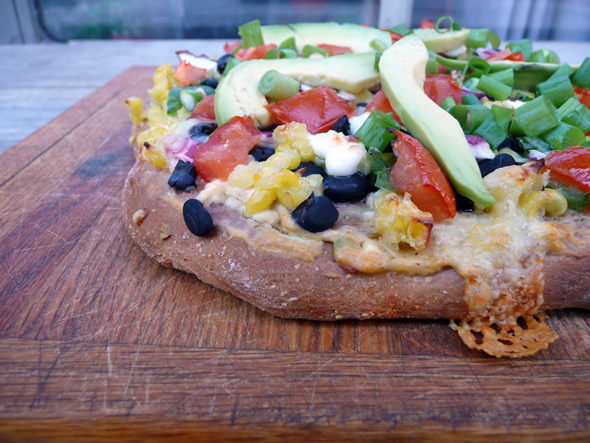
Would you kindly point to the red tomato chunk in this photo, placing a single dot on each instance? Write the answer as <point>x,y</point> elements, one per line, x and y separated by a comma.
<point>571,166</point>
<point>255,52</point>
<point>226,148</point>
<point>335,50</point>
<point>440,86</point>
<point>205,110</point>
<point>381,103</point>
<point>319,108</point>
<point>417,173</point>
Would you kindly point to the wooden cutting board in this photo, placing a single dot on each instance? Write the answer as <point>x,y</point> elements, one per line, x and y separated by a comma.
<point>98,341</point>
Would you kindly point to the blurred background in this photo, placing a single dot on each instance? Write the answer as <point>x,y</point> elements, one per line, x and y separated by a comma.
<point>33,21</point>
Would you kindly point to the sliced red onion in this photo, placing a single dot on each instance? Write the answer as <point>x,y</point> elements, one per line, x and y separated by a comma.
<point>198,61</point>
<point>479,147</point>
<point>485,52</point>
<point>180,147</point>
<point>346,96</point>
<point>536,155</point>
<point>266,141</point>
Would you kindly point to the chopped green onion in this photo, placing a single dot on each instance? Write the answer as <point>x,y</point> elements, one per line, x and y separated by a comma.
<point>535,144</point>
<point>492,132</point>
<point>251,34</point>
<point>431,66</point>
<point>564,136</point>
<point>502,116</point>
<point>374,134</point>
<point>536,116</point>
<point>575,113</point>
<point>470,99</point>
<point>439,21</point>
<point>277,86</point>
<point>310,49</point>
<point>470,116</point>
<point>456,65</point>
<point>506,77</point>
<point>558,90</point>
<point>494,40</point>
<point>544,56</point>
<point>519,158</point>
<point>190,98</point>
<point>582,76</point>
<point>586,144</point>
<point>478,66</point>
<point>577,199</point>
<point>231,63</point>
<point>174,97</point>
<point>564,69</point>
<point>281,53</point>
<point>523,96</point>
<point>515,130</point>
<point>493,87</point>
<point>401,29</point>
<point>448,103</point>
<point>477,38</point>
<point>471,83</point>
<point>524,46</point>
<point>378,45</point>
<point>288,43</point>
<point>381,164</point>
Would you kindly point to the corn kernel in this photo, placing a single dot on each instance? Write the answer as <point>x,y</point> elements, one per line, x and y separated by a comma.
<point>548,202</point>
<point>135,106</point>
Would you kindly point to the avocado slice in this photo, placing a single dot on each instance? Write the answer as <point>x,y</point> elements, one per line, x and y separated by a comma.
<point>403,69</point>
<point>238,94</point>
<point>356,37</point>
<point>442,41</point>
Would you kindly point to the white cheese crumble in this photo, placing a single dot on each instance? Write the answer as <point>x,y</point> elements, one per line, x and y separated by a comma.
<point>342,157</point>
<point>357,121</point>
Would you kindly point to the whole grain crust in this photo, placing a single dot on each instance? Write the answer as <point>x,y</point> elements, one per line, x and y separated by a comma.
<point>320,289</point>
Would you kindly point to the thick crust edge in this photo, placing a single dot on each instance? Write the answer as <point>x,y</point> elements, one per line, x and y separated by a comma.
<point>318,290</point>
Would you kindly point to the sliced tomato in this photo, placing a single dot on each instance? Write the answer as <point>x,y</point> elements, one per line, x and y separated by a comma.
<point>226,148</point>
<point>335,50</point>
<point>229,48</point>
<point>318,108</point>
<point>395,36</point>
<point>255,52</point>
<point>205,109</point>
<point>417,173</point>
<point>187,74</point>
<point>516,57</point>
<point>381,103</point>
<point>583,96</point>
<point>427,24</point>
<point>570,166</point>
<point>506,54</point>
<point>440,86</point>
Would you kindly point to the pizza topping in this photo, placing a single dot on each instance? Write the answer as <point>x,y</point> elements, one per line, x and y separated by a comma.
<point>184,176</point>
<point>222,62</point>
<point>197,218</point>
<point>316,214</point>
<point>201,131</point>
<point>417,173</point>
<point>226,148</point>
<point>571,166</point>
<point>261,154</point>
<point>347,188</point>
<point>341,155</point>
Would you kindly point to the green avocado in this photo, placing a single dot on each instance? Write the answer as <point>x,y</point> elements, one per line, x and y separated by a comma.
<point>402,69</point>
<point>238,94</point>
<point>357,38</point>
<point>442,41</point>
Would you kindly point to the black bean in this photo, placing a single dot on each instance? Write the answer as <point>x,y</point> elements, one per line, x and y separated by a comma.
<point>316,214</point>
<point>464,204</point>
<point>211,82</point>
<point>201,130</point>
<point>222,62</point>
<point>310,168</point>
<point>499,161</point>
<point>183,177</point>
<point>511,143</point>
<point>261,154</point>
<point>347,188</point>
<point>342,125</point>
<point>197,218</point>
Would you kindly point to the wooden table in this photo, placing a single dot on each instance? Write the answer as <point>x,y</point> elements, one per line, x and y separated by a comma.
<point>97,341</point>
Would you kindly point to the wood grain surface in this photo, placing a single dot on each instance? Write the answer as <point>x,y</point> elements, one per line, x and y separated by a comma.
<point>98,342</point>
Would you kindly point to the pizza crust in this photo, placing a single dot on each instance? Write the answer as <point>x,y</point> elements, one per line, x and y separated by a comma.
<point>318,289</point>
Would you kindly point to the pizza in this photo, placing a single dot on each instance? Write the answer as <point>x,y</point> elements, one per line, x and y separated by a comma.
<point>326,171</point>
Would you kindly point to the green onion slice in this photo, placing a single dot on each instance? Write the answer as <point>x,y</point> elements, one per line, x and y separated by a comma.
<point>401,29</point>
<point>524,46</point>
<point>470,116</point>
<point>440,20</point>
<point>536,117</point>
<point>505,76</point>
<point>502,116</point>
<point>374,133</point>
<point>575,113</point>
<point>251,34</point>
<point>492,132</point>
<point>494,88</point>
<point>563,136</point>
<point>288,43</point>
<point>311,49</point>
<point>582,76</point>
<point>558,90</point>
<point>277,86</point>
